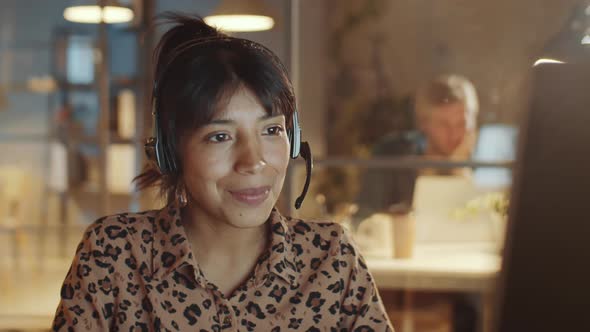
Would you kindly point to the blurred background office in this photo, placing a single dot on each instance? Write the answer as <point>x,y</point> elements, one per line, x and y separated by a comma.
<point>75,84</point>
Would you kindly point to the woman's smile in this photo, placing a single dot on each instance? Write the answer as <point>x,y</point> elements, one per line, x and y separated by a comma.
<point>251,196</point>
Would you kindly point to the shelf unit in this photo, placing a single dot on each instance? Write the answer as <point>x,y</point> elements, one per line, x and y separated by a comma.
<point>82,121</point>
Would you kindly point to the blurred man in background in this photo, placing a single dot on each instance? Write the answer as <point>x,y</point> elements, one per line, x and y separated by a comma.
<point>446,111</point>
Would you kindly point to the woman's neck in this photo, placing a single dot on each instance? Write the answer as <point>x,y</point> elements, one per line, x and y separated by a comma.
<point>225,254</point>
<point>216,241</point>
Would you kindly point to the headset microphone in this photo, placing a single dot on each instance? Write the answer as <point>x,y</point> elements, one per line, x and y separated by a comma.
<point>300,148</point>
<point>305,154</point>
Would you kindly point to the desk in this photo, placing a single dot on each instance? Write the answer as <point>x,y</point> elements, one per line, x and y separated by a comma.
<point>460,267</point>
<point>469,267</point>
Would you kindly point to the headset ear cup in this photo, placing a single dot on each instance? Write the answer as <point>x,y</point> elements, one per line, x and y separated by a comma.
<point>164,153</point>
<point>158,136</point>
<point>296,144</point>
<point>171,157</point>
<point>295,137</point>
<point>291,143</point>
<point>161,153</point>
<point>166,160</point>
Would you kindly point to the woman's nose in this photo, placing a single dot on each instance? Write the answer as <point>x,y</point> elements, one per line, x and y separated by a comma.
<point>250,157</point>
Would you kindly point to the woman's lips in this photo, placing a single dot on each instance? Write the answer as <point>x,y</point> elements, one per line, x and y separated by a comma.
<point>251,196</point>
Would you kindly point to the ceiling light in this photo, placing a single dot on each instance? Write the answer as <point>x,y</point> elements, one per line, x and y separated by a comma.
<point>240,23</point>
<point>241,15</point>
<point>96,14</point>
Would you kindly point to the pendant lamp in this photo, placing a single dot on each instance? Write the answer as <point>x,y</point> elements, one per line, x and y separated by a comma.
<point>83,11</point>
<point>241,16</point>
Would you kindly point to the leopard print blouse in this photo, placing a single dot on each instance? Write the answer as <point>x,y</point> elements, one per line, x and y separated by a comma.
<point>136,272</point>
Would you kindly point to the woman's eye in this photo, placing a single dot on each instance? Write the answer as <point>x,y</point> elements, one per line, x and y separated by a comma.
<point>274,130</point>
<point>218,138</point>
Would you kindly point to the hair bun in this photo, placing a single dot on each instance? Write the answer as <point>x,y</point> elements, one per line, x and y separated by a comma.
<point>186,29</point>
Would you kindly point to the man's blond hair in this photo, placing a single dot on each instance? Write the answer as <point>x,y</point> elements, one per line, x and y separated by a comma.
<point>447,89</point>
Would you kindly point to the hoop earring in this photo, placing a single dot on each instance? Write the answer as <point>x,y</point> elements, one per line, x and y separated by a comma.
<point>181,196</point>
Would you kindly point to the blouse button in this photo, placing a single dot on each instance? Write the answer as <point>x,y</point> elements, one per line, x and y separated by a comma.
<point>227,320</point>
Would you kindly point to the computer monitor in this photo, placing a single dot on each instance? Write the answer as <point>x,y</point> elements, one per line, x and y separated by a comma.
<point>545,280</point>
<point>495,143</point>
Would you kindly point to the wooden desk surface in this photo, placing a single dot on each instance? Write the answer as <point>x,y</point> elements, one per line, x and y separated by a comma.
<point>465,267</point>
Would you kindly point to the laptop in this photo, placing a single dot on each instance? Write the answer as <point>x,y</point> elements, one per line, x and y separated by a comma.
<point>440,208</point>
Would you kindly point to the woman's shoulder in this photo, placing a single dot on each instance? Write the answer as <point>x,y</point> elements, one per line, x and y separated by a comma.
<point>321,251</point>
<point>123,228</point>
<point>317,236</point>
<point>314,226</point>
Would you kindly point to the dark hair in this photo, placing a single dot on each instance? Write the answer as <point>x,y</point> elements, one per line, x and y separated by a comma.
<point>197,70</point>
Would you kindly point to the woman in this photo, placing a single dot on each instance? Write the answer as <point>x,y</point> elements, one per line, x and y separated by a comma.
<point>219,256</point>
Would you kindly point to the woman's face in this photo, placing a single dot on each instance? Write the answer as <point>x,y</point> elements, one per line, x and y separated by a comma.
<point>234,166</point>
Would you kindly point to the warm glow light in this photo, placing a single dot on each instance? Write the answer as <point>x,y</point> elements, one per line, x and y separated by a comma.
<point>42,84</point>
<point>94,14</point>
<point>240,22</point>
<point>542,61</point>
